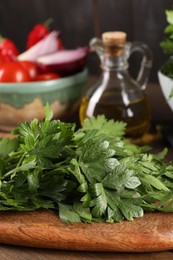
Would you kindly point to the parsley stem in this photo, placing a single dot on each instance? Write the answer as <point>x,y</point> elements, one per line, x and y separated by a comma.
<point>14,171</point>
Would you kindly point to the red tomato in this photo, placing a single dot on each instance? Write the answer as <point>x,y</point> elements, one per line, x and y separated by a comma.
<point>47,76</point>
<point>2,60</point>
<point>31,68</point>
<point>13,72</point>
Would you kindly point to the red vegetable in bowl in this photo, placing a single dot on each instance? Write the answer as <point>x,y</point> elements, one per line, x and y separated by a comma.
<point>8,49</point>
<point>45,46</point>
<point>2,60</point>
<point>38,32</point>
<point>13,72</point>
<point>47,76</point>
<point>64,62</point>
<point>23,71</point>
<point>31,68</point>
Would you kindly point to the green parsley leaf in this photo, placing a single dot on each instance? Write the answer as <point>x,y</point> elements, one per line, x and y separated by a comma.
<point>67,214</point>
<point>107,127</point>
<point>7,146</point>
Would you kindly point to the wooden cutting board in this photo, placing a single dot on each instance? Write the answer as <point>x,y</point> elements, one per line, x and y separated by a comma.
<point>43,229</point>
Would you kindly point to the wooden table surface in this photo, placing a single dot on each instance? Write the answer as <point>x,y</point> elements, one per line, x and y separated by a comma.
<point>7,252</point>
<point>23,253</point>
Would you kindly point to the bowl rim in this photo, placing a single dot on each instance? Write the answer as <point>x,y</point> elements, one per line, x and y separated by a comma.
<point>44,86</point>
<point>163,75</point>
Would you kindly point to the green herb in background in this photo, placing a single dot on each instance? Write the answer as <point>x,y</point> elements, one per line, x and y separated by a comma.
<point>90,174</point>
<point>167,45</point>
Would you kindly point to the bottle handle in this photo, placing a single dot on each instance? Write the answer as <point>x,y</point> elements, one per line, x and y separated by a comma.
<point>146,63</point>
<point>96,45</point>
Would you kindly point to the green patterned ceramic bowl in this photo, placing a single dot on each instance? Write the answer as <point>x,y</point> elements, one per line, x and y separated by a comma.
<point>21,102</point>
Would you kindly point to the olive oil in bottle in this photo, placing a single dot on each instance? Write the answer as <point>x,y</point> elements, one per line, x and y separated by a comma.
<point>136,114</point>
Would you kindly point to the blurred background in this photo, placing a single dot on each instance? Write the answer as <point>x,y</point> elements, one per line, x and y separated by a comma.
<point>81,20</point>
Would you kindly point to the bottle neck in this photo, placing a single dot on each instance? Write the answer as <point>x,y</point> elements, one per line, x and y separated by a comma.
<point>114,63</point>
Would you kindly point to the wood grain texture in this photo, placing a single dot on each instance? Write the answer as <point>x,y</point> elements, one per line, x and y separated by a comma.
<point>43,229</point>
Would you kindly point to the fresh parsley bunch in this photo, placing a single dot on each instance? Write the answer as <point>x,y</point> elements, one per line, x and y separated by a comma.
<point>167,45</point>
<point>89,174</point>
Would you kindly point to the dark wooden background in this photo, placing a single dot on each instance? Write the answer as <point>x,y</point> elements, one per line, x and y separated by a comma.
<point>143,20</point>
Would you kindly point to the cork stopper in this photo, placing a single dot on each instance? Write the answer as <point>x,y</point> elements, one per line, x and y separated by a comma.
<point>114,38</point>
<point>114,42</point>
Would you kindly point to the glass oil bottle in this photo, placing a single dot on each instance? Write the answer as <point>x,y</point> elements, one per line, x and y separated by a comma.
<point>117,95</point>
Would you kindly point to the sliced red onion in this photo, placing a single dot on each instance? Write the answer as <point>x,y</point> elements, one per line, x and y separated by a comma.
<point>45,46</point>
<point>64,62</point>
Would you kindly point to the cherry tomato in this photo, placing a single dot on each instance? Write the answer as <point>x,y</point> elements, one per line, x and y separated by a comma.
<point>31,68</point>
<point>47,76</point>
<point>13,72</point>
